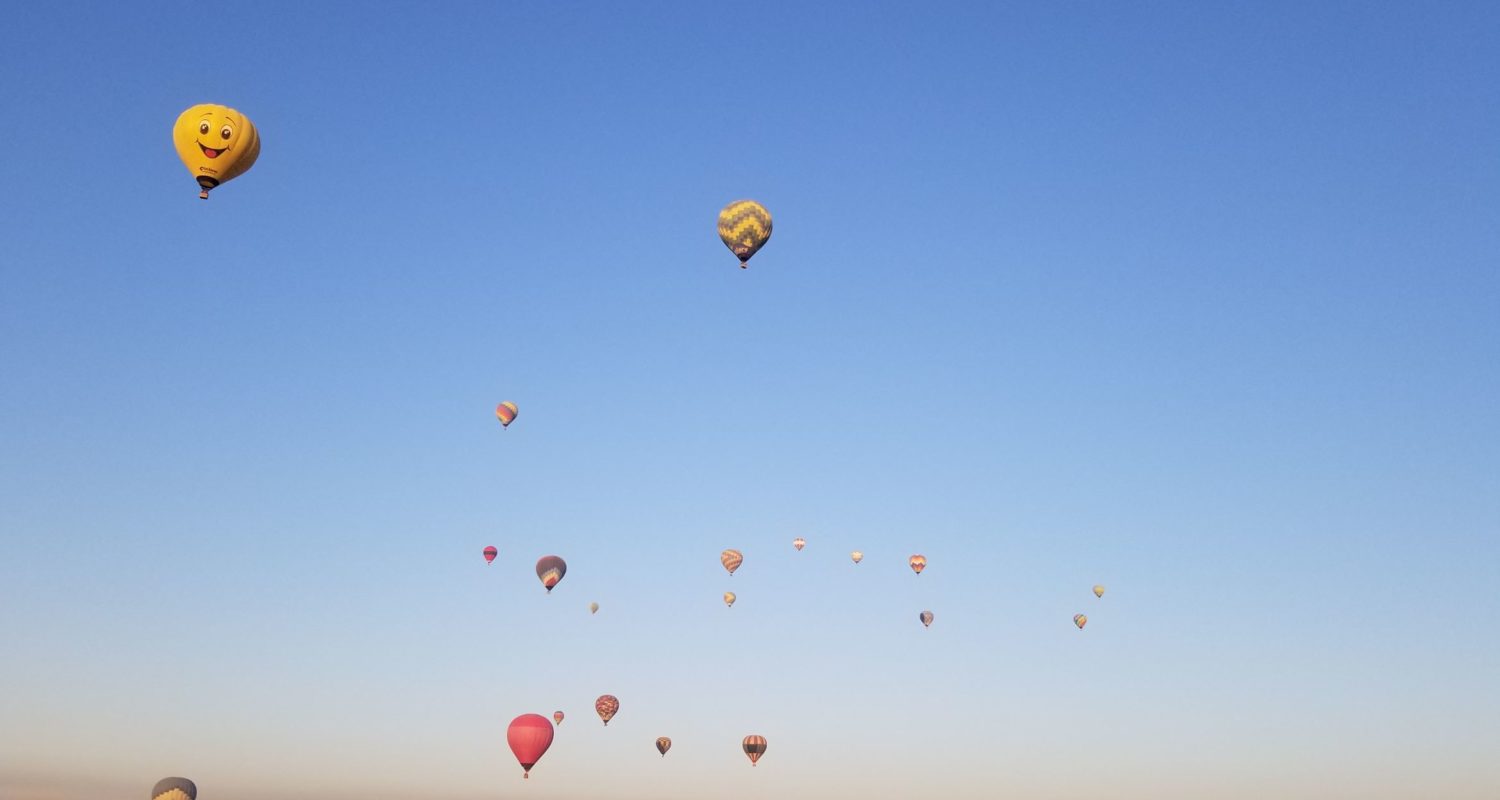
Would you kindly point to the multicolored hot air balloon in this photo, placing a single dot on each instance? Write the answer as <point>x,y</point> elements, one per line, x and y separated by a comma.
<point>918,563</point>
<point>731,559</point>
<point>755,747</point>
<point>729,599</point>
<point>216,144</point>
<point>593,608</point>
<point>529,736</point>
<point>551,569</point>
<point>606,706</point>
<point>1080,620</point>
<point>489,555</point>
<point>926,617</point>
<point>799,543</point>
<point>174,789</point>
<point>663,744</point>
<point>557,716</point>
<point>745,226</point>
<point>506,413</point>
<point>857,556</point>
<point>1098,591</point>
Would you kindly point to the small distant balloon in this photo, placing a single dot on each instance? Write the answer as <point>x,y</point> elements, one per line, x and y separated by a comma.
<point>1080,620</point>
<point>857,556</point>
<point>1098,591</point>
<point>745,227</point>
<point>593,608</point>
<point>216,144</point>
<point>489,555</point>
<point>799,543</point>
<point>918,563</point>
<point>731,559</point>
<point>557,716</point>
<point>551,569</point>
<point>506,413</point>
<point>926,617</point>
<point>606,707</point>
<point>663,744</point>
<point>755,747</point>
<point>529,736</point>
<point>174,789</point>
<point>729,599</point>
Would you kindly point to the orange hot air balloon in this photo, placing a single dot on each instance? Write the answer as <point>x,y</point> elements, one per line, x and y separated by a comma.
<point>489,555</point>
<point>918,563</point>
<point>857,556</point>
<point>529,737</point>
<point>506,413</point>
<point>557,716</point>
<point>799,543</point>
<point>729,599</point>
<point>1080,620</point>
<point>926,617</point>
<point>551,569</point>
<point>755,747</point>
<point>606,706</point>
<point>663,744</point>
<point>731,559</point>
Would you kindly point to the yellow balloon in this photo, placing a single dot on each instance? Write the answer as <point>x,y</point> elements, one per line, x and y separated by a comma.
<point>216,143</point>
<point>744,226</point>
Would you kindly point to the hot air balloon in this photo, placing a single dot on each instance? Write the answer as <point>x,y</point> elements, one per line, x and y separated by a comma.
<point>731,559</point>
<point>606,706</point>
<point>557,716</point>
<point>799,543</point>
<point>1080,620</point>
<point>755,747</point>
<point>506,413</point>
<point>174,789</point>
<point>918,563</point>
<point>857,556</point>
<point>926,617</point>
<point>1098,591</point>
<point>216,144</point>
<point>744,225</point>
<point>663,744</point>
<point>551,569</point>
<point>593,608</point>
<point>729,599</point>
<point>489,554</point>
<point>529,736</point>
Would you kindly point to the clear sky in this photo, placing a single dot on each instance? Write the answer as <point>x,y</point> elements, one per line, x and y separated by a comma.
<point>1199,301</point>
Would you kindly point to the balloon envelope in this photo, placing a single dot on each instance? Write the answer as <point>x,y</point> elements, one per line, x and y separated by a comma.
<point>1098,591</point>
<point>857,556</point>
<point>918,563</point>
<point>744,227</point>
<point>799,543</point>
<point>755,747</point>
<point>506,413</point>
<point>551,569</point>
<point>174,789</point>
<point>489,554</point>
<point>926,617</point>
<point>557,716</point>
<point>663,744</point>
<point>729,598</point>
<point>606,707</point>
<point>731,559</point>
<point>529,736</point>
<point>593,608</point>
<point>1080,620</point>
<point>216,144</point>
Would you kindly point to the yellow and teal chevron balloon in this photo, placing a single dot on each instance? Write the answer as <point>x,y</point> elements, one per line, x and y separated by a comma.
<point>745,226</point>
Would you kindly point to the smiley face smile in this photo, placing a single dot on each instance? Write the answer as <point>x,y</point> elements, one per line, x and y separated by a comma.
<point>209,151</point>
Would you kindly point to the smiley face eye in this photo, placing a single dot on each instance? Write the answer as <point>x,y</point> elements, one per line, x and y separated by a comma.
<point>203,127</point>
<point>225,132</point>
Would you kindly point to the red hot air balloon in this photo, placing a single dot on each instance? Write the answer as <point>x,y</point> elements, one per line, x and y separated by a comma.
<point>557,716</point>
<point>606,706</point>
<point>489,554</point>
<point>755,747</point>
<point>529,736</point>
<point>551,569</point>
<point>506,413</point>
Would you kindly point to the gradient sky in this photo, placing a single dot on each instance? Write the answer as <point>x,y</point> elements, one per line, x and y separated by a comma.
<point>1197,301</point>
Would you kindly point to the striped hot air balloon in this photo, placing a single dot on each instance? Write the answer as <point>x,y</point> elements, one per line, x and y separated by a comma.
<point>857,556</point>
<point>755,747</point>
<point>489,554</point>
<point>729,599</point>
<point>551,569</point>
<point>1098,591</point>
<point>506,413</point>
<point>529,736</point>
<point>663,744</point>
<point>918,563</point>
<point>926,617</point>
<point>174,789</point>
<point>607,706</point>
<point>799,543</point>
<point>731,559</point>
<point>1080,620</point>
<point>745,226</point>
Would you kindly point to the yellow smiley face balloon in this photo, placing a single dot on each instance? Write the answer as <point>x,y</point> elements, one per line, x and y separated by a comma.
<point>216,143</point>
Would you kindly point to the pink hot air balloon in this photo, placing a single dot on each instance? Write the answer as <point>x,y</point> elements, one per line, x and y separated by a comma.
<point>529,736</point>
<point>557,716</point>
<point>606,707</point>
<point>489,554</point>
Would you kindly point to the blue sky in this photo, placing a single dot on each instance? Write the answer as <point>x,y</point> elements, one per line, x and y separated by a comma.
<point>1197,302</point>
